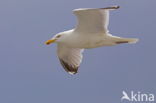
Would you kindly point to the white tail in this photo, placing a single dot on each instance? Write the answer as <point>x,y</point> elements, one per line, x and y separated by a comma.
<point>132,40</point>
<point>119,40</point>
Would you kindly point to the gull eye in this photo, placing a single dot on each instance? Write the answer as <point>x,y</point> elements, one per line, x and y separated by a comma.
<point>58,36</point>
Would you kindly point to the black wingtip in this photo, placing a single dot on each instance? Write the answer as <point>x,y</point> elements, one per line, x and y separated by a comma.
<point>72,73</point>
<point>117,7</point>
<point>112,7</point>
<point>68,68</point>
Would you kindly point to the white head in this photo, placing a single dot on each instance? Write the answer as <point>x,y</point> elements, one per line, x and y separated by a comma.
<point>55,39</point>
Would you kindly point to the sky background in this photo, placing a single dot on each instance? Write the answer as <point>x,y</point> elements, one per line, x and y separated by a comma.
<point>30,71</point>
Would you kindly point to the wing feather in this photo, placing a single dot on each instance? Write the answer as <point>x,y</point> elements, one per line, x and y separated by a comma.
<point>93,20</point>
<point>70,58</point>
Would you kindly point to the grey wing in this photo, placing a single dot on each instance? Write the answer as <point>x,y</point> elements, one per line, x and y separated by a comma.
<point>70,58</point>
<point>93,20</point>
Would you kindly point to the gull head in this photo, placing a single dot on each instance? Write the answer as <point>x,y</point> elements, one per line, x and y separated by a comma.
<point>54,39</point>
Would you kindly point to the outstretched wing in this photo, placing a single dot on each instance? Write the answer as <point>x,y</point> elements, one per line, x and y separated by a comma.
<point>70,58</point>
<point>93,20</point>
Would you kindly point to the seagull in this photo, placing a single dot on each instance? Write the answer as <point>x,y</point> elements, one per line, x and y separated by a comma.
<point>91,31</point>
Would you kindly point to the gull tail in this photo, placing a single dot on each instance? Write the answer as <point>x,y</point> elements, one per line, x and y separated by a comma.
<point>119,40</point>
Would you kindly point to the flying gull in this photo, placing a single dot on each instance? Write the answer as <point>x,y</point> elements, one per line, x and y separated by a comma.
<point>91,32</point>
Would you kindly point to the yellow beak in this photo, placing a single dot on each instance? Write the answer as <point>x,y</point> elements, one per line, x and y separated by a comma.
<point>50,41</point>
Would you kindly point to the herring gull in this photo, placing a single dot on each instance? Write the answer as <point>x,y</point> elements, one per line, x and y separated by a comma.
<point>91,32</point>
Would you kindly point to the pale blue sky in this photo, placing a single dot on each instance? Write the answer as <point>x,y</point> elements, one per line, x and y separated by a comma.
<point>31,73</point>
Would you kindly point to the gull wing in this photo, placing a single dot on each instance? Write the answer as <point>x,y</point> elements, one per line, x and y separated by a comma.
<point>93,20</point>
<point>70,58</point>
